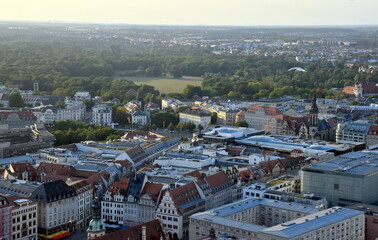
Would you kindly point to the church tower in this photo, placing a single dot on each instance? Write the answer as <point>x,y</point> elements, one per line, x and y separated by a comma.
<point>358,91</point>
<point>313,121</point>
<point>96,226</point>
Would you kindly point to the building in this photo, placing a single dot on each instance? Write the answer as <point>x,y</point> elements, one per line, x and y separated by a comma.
<point>102,115</point>
<point>19,119</point>
<point>229,134</point>
<point>360,90</point>
<point>175,208</point>
<point>134,105</point>
<point>284,189</point>
<point>195,117</point>
<point>24,218</point>
<point>84,196</point>
<point>5,219</point>
<point>82,95</point>
<point>184,160</point>
<point>372,136</point>
<point>23,171</point>
<point>96,226</point>
<point>139,118</point>
<point>371,219</point>
<point>172,103</point>
<point>47,115</point>
<point>349,178</point>
<point>353,132</point>
<point>57,208</point>
<point>246,218</point>
<point>72,111</point>
<point>275,220</point>
<point>334,223</point>
<point>145,231</point>
<point>217,188</point>
<point>131,201</point>
<point>256,116</point>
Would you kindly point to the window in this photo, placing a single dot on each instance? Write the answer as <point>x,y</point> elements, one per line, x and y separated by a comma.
<point>336,186</point>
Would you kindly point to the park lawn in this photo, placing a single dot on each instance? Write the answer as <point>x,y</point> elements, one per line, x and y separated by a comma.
<point>167,84</point>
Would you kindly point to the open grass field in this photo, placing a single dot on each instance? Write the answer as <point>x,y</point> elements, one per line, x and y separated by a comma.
<point>167,84</point>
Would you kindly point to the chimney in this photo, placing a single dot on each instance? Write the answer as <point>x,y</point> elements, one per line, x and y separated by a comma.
<point>144,234</point>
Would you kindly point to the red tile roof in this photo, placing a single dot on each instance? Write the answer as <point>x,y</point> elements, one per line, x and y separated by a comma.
<point>373,130</point>
<point>184,194</point>
<point>153,189</point>
<point>217,180</point>
<point>119,186</point>
<point>268,166</point>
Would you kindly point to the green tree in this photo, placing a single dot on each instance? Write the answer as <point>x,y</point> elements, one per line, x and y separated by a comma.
<point>241,123</point>
<point>120,115</point>
<point>15,100</point>
<point>213,117</point>
<point>200,127</point>
<point>59,104</point>
<point>171,127</point>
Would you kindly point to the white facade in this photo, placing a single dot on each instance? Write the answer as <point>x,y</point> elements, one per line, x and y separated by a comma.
<point>82,95</point>
<point>55,215</point>
<point>49,116</point>
<point>84,199</point>
<point>102,115</point>
<point>169,216</point>
<point>127,211</point>
<point>190,161</point>
<point>172,103</point>
<point>139,118</point>
<point>71,112</point>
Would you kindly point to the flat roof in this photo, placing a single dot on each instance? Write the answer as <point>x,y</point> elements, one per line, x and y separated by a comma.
<point>355,163</point>
<point>248,203</point>
<point>311,222</point>
<point>206,216</point>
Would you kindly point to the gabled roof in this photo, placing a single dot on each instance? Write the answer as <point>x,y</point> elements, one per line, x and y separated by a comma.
<point>184,194</point>
<point>119,187</point>
<point>268,166</point>
<point>217,180</point>
<point>22,167</point>
<point>153,189</point>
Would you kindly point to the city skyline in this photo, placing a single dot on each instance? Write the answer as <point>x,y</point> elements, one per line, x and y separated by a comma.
<point>211,12</point>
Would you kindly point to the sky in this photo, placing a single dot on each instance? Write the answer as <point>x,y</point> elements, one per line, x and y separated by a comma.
<point>195,12</point>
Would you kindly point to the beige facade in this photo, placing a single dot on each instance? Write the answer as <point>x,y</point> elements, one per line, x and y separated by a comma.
<point>196,118</point>
<point>245,220</point>
<point>24,219</point>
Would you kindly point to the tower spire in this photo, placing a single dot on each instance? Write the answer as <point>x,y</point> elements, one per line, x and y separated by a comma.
<point>96,226</point>
<point>314,107</point>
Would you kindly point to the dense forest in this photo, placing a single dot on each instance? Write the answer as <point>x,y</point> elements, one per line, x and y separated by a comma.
<point>62,68</point>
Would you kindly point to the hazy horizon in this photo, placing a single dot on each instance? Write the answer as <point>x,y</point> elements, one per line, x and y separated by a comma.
<point>195,12</point>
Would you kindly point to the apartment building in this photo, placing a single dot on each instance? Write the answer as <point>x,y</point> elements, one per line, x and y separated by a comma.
<point>24,218</point>
<point>5,219</point>
<point>102,115</point>
<point>57,207</point>
<point>195,117</point>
